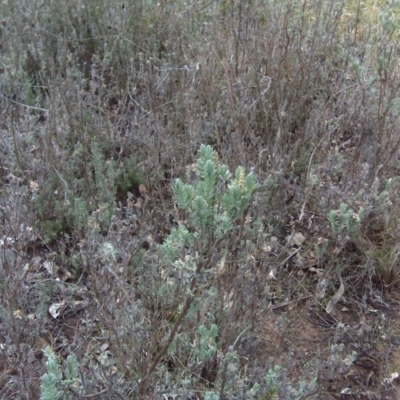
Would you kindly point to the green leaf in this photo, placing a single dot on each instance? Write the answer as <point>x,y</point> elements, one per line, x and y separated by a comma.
<point>224,172</point>
<point>202,211</point>
<point>183,194</point>
<point>72,368</point>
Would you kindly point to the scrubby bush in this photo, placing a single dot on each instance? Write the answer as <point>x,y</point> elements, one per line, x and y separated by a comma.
<point>184,185</point>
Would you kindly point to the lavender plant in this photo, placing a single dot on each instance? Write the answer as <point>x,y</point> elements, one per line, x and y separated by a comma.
<point>57,383</point>
<point>214,203</point>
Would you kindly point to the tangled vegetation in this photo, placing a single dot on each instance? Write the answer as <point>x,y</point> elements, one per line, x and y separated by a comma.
<point>199,200</point>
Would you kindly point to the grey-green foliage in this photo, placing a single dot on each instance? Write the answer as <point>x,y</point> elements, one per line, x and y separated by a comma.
<point>388,21</point>
<point>382,200</point>
<point>207,345</point>
<point>216,199</point>
<point>66,201</point>
<point>345,220</point>
<point>211,396</point>
<point>176,241</point>
<point>272,379</point>
<point>52,378</point>
<point>57,383</point>
<point>277,385</point>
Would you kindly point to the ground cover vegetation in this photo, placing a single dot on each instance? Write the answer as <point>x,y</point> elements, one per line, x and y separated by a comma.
<point>199,200</point>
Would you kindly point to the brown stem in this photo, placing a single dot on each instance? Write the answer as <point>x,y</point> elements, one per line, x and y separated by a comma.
<point>164,349</point>
<point>161,353</point>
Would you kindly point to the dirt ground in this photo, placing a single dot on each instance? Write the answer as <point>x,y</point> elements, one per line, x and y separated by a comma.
<point>356,353</point>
